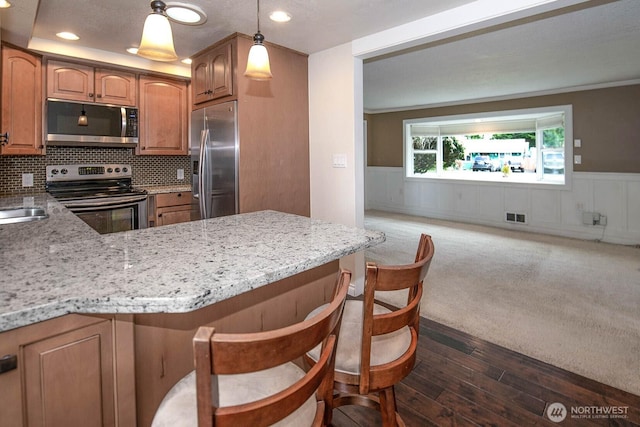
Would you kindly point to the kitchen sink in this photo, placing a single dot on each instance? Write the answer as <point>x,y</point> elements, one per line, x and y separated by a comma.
<point>13,215</point>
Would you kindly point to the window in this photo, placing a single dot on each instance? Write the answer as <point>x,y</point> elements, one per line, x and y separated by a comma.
<point>524,145</point>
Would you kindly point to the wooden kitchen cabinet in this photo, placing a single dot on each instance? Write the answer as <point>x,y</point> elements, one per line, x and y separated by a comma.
<point>272,123</point>
<point>170,208</point>
<point>77,82</point>
<point>164,117</point>
<point>67,373</point>
<point>21,103</point>
<point>212,74</point>
<point>69,378</point>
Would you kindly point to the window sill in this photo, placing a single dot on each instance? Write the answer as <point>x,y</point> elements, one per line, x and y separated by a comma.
<point>528,179</point>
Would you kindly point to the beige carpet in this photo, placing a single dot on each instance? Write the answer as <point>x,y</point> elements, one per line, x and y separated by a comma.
<point>572,303</point>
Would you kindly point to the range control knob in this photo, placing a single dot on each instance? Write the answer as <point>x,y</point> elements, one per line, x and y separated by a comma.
<point>125,170</point>
<point>54,171</point>
<point>64,171</point>
<point>117,170</point>
<point>109,170</point>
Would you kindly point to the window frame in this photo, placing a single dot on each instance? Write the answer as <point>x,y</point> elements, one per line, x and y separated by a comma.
<point>529,113</point>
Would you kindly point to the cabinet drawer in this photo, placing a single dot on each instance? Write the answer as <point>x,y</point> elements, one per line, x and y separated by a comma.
<point>173,199</point>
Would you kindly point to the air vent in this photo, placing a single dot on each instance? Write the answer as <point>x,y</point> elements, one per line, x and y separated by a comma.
<point>518,218</point>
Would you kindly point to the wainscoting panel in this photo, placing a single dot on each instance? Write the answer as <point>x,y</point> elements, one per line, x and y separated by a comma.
<point>633,206</point>
<point>547,210</point>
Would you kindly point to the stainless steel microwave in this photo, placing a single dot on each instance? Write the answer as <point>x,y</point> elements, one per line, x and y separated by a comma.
<point>91,125</point>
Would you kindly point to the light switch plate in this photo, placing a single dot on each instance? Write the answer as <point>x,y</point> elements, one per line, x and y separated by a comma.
<point>339,160</point>
<point>577,159</point>
<point>577,143</point>
<point>180,174</point>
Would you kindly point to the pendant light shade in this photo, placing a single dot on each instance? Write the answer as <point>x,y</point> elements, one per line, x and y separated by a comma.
<point>157,38</point>
<point>258,67</point>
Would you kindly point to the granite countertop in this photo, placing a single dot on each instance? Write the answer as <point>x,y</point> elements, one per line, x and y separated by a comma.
<point>159,189</point>
<point>60,265</point>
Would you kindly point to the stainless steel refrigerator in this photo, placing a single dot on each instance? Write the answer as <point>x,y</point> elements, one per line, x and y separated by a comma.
<point>214,157</point>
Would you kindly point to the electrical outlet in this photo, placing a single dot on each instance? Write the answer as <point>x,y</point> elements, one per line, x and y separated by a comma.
<point>180,174</point>
<point>27,180</point>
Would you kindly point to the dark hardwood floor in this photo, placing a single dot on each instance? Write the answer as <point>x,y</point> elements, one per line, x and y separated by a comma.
<point>460,380</point>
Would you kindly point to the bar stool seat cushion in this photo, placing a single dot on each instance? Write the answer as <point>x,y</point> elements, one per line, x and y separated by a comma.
<point>179,407</point>
<point>384,348</point>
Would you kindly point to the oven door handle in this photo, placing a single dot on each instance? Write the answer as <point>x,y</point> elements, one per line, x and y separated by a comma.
<point>103,205</point>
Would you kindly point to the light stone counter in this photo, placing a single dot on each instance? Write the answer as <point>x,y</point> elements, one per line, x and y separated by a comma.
<point>160,189</point>
<point>60,265</point>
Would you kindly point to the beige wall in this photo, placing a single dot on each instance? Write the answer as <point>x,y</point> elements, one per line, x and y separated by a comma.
<point>606,120</point>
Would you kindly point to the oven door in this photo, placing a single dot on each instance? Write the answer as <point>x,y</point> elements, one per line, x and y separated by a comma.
<point>111,216</point>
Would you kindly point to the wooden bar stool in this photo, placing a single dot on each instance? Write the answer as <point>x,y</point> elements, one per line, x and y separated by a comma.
<point>377,346</point>
<point>251,379</point>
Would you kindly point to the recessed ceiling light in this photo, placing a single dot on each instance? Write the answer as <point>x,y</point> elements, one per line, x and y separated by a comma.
<point>184,13</point>
<point>280,16</point>
<point>67,35</point>
<point>132,50</point>
<point>187,61</point>
<point>4,4</point>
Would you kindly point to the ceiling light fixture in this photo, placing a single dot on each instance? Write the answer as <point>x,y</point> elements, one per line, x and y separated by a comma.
<point>258,67</point>
<point>184,13</point>
<point>280,16</point>
<point>4,4</point>
<point>67,36</point>
<point>157,38</point>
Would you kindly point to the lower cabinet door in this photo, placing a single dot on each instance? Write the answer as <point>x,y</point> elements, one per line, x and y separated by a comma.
<point>69,378</point>
<point>173,215</point>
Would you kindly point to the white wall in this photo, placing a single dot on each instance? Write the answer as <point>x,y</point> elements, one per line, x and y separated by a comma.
<point>550,211</point>
<point>335,128</point>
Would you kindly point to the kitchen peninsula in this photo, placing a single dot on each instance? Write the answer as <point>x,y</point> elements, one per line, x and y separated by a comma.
<point>151,288</point>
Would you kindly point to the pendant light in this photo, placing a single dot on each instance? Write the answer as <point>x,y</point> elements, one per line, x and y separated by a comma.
<point>258,67</point>
<point>83,120</point>
<point>157,38</point>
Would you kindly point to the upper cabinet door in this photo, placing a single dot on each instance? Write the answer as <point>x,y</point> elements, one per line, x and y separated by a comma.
<point>75,82</point>
<point>115,87</point>
<point>212,74</point>
<point>70,81</point>
<point>163,117</point>
<point>21,102</point>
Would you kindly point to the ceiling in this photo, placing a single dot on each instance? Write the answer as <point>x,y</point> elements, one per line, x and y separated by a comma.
<point>596,43</point>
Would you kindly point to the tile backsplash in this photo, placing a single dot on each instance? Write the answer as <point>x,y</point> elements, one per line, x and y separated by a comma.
<point>147,170</point>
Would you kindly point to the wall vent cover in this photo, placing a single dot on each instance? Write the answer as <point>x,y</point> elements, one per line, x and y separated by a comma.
<point>517,218</point>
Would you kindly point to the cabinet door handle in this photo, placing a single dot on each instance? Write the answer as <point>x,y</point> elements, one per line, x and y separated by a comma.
<point>99,95</point>
<point>90,95</point>
<point>8,362</point>
<point>4,138</point>
<point>179,194</point>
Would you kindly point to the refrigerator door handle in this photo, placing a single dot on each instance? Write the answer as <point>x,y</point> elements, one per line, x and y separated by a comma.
<point>204,136</point>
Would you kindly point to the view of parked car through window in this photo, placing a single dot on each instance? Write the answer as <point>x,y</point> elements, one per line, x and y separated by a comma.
<point>530,143</point>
